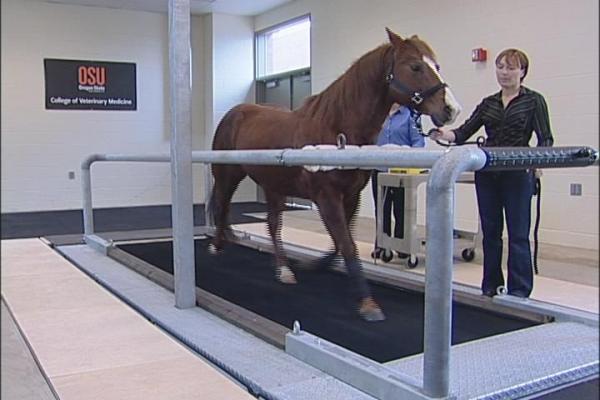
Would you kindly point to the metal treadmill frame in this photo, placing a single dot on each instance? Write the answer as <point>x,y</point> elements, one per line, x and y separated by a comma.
<point>445,169</point>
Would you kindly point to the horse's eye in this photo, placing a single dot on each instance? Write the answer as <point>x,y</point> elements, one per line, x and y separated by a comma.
<point>416,67</point>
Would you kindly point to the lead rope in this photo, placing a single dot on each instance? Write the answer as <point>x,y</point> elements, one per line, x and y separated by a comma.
<point>416,115</point>
<point>538,208</point>
<point>480,141</point>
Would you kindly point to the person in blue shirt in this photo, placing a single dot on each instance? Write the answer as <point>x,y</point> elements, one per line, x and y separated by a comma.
<point>401,127</point>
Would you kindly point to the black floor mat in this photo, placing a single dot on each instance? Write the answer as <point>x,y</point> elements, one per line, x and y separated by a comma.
<point>322,302</point>
<point>66,222</point>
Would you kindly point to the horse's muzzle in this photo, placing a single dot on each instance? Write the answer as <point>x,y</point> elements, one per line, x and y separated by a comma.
<point>447,116</point>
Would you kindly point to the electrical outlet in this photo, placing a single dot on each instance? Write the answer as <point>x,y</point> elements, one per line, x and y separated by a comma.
<point>71,174</point>
<point>575,189</point>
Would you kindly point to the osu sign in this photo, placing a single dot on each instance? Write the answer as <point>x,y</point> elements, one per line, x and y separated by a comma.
<point>90,85</point>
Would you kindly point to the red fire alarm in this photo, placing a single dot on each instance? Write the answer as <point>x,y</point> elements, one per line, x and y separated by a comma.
<point>479,55</point>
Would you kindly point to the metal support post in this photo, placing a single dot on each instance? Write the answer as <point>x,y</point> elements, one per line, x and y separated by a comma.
<point>438,274</point>
<point>181,154</point>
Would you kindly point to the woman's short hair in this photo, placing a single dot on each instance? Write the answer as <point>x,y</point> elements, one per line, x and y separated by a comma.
<point>515,57</point>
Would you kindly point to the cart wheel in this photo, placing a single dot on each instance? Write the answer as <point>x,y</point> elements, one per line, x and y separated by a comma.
<point>412,261</point>
<point>387,256</point>
<point>468,254</point>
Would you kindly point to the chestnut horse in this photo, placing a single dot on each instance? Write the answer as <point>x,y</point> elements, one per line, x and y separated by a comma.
<point>356,104</point>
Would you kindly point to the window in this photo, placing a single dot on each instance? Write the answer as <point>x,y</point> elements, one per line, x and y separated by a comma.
<point>283,48</point>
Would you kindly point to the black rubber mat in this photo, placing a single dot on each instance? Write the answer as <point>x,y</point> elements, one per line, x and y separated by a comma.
<point>322,302</point>
<point>65,222</point>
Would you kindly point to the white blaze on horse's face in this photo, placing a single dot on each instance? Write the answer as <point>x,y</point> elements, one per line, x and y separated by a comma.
<point>449,98</point>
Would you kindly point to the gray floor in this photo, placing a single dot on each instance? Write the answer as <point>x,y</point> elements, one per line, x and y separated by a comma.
<point>21,377</point>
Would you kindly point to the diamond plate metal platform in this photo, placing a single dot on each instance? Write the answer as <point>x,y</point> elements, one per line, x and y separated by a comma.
<point>517,364</point>
<point>513,365</point>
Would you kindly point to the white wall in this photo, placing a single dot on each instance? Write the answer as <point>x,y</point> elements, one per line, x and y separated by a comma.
<point>231,49</point>
<point>40,147</point>
<point>561,39</point>
<point>200,62</point>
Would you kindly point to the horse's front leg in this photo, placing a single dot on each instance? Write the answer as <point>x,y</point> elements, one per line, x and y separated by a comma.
<point>328,259</point>
<point>275,205</point>
<point>333,213</point>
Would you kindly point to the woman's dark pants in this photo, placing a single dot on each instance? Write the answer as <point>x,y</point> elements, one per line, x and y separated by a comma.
<point>511,192</point>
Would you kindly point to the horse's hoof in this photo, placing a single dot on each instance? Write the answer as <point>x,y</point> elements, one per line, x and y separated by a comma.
<point>286,275</point>
<point>370,311</point>
<point>213,250</point>
<point>327,262</point>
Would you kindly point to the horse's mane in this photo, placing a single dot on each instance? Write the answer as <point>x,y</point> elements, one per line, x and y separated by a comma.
<point>331,105</point>
<point>349,92</point>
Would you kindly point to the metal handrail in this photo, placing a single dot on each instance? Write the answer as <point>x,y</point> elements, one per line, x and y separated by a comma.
<point>350,157</point>
<point>446,166</point>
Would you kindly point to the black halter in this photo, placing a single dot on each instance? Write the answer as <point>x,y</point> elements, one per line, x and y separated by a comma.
<point>415,97</point>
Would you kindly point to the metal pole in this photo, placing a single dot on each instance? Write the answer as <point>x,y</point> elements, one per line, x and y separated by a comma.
<point>181,154</point>
<point>86,188</point>
<point>438,274</point>
<point>351,158</point>
<point>208,185</point>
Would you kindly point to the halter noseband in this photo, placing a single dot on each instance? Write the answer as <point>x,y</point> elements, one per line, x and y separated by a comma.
<point>415,97</point>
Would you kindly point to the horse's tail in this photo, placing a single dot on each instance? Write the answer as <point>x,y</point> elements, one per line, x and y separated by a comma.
<point>226,176</point>
<point>222,140</point>
<point>211,208</point>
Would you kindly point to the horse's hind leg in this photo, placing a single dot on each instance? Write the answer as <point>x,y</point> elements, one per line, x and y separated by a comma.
<point>350,207</point>
<point>333,213</point>
<point>227,179</point>
<point>275,204</point>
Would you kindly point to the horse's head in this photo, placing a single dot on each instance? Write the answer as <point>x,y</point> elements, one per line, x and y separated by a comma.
<point>415,81</point>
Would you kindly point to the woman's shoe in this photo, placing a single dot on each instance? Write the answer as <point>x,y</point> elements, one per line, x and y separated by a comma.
<point>376,253</point>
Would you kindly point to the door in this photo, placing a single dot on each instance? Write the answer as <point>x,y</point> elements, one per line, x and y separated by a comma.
<point>287,90</point>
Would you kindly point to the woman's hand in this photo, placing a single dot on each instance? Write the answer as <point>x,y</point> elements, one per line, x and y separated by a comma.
<point>443,134</point>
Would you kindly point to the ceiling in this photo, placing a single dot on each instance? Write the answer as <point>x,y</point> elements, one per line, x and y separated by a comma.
<point>198,7</point>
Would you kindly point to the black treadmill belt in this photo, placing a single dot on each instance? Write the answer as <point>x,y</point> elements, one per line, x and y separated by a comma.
<point>322,301</point>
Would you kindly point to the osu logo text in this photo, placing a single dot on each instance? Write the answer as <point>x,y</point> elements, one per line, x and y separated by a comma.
<point>91,75</point>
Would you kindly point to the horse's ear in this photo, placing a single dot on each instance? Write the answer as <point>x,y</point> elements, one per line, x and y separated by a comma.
<point>396,40</point>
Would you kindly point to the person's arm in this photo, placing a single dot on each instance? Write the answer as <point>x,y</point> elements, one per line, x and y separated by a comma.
<point>470,126</point>
<point>541,123</point>
<point>463,132</point>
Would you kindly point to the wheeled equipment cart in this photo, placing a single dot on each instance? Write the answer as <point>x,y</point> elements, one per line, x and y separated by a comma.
<point>413,242</point>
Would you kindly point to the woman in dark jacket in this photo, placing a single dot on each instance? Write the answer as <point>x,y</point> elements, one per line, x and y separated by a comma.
<point>509,117</point>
